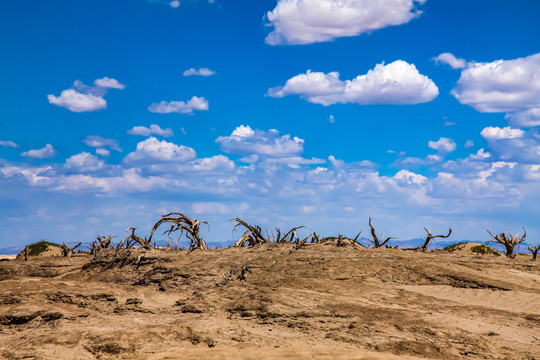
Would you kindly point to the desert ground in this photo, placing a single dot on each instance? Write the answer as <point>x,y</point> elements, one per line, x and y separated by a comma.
<point>273,302</point>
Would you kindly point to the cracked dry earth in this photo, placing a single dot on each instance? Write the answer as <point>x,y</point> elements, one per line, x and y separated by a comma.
<point>318,302</point>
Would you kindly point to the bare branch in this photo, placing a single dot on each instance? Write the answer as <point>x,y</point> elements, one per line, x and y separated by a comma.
<point>376,243</point>
<point>252,236</point>
<point>183,223</point>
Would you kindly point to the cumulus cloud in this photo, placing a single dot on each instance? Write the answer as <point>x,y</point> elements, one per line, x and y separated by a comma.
<point>153,150</point>
<point>152,130</point>
<point>213,164</point>
<point>508,144</point>
<point>410,177</point>
<point>311,21</point>
<point>109,83</point>
<point>496,133</point>
<point>44,153</point>
<point>84,161</point>
<point>331,119</point>
<point>101,142</point>
<point>526,118</point>
<point>199,72</point>
<point>8,144</point>
<point>103,152</point>
<point>245,141</point>
<point>443,145</point>
<point>78,102</point>
<point>511,86</point>
<point>83,98</point>
<point>469,144</point>
<point>397,83</point>
<point>181,107</point>
<point>451,60</point>
<point>174,3</point>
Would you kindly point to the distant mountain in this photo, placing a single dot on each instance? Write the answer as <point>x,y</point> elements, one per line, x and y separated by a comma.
<point>11,250</point>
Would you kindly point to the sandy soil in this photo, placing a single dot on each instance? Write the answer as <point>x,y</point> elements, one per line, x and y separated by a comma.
<point>318,302</point>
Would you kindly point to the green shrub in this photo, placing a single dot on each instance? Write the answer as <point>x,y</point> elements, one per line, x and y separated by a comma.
<point>39,247</point>
<point>484,249</point>
<point>454,247</point>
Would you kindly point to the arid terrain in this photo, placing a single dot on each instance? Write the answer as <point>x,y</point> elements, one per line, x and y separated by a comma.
<point>318,302</point>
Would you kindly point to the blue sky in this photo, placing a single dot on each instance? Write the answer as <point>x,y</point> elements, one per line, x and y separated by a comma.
<point>285,113</point>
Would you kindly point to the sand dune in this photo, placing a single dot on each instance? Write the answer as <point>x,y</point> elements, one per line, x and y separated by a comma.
<point>318,302</point>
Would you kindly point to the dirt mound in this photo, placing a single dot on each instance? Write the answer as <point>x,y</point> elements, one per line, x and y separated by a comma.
<point>473,248</point>
<point>42,248</point>
<point>316,302</point>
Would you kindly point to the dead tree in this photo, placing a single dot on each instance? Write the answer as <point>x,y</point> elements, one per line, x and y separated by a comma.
<point>252,236</point>
<point>509,241</point>
<point>183,223</point>
<point>315,238</point>
<point>534,250</point>
<point>101,243</point>
<point>131,239</point>
<point>127,243</point>
<point>376,243</point>
<point>432,237</point>
<point>68,251</point>
<point>25,253</point>
<point>344,241</point>
<point>290,237</point>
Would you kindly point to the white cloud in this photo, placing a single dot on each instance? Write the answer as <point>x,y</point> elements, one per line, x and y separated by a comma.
<point>109,83</point>
<point>447,122</point>
<point>243,131</point>
<point>469,144</point>
<point>496,133</point>
<point>501,86</point>
<point>332,119</point>
<point>84,161</point>
<point>174,3</point>
<point>210,207</point>
<point>509,144</point>
<point>215,163</point>
<point>83,98</point>
<point>198,72</point>
<point>181,107</point>
<point>152,130</point>
<point>101,142</point>
<point>8,144</point>
<point>397,83</point>
<point>526,118</point>
<point>294,161</point>
<point>103,152</point>
<point>411,177</point>
<point>451,60</point>
<point>244,141</point>
<point>443,145</point>
<point>78,102</point>
<point>311,21</point>
<point>35,176</point>
<point>44,153</point>
<point>153,150</point>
